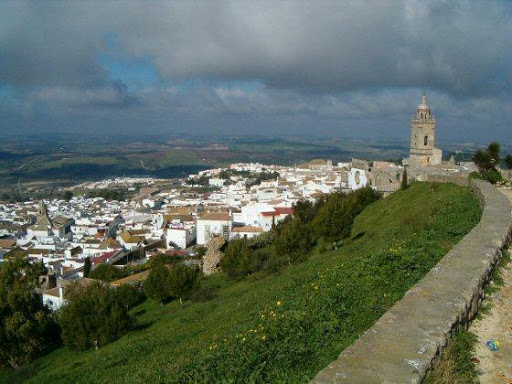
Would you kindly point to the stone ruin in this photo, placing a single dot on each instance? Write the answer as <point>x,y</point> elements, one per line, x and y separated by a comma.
<point>213,255</point>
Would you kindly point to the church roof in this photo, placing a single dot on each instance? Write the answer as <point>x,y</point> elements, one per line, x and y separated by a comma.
<point>43,221</point>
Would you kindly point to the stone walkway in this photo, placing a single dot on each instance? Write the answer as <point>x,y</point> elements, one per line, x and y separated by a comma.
<point>496,367</point>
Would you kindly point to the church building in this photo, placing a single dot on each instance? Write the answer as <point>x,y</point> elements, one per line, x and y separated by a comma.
<point>423,138</point>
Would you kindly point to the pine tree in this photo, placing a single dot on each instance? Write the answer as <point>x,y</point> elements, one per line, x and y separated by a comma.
<point>87,266</point>
<point>27,328</point>
<point>156,285</point>
<point>508,161</point>
<point>404,180</point>
<point>94,315</point>
<point>183,281</point>
<point>237,261</point>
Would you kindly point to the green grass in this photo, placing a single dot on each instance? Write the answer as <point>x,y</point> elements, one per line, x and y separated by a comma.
<point>283,327</point>
<point>455,365</point>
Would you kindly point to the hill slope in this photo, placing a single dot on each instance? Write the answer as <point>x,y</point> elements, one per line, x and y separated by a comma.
<point>287,326</point>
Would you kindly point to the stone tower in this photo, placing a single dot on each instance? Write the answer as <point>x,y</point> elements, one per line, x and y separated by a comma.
<point>423,137</point>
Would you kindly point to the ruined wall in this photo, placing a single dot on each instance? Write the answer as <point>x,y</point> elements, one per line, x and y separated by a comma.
<point>213,255</point>
<point>402,345</point>
<point>461,180</point>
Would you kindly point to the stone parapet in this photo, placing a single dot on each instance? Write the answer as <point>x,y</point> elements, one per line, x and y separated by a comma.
<point>403,344</point>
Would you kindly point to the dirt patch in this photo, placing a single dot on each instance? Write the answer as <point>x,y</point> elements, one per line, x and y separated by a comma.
<point>496,366</point>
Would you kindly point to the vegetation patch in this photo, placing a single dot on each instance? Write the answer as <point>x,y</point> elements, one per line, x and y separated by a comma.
<point>455,365</point>
<point>284,326</point>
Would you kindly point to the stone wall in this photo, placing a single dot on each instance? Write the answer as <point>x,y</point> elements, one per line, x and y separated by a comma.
<point>402,345</point>
<point>461,180</point>
<point>213,255</point>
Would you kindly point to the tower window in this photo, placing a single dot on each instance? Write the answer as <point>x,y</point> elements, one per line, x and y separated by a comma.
<point>425,140</point>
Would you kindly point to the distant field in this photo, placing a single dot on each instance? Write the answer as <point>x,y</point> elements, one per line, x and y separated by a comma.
<point>64,160</point>
<point>283,327</point>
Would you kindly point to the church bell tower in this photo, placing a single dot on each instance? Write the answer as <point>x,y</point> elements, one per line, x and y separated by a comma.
<point>423,137</point>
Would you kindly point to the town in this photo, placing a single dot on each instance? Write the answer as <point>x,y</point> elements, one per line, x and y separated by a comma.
<point>241,201</point>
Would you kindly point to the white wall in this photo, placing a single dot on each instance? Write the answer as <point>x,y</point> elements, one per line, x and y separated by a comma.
<point>357,178</point>
<point>205,228</point>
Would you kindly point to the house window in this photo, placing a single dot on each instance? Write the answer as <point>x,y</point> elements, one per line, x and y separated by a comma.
<point>425,140</point>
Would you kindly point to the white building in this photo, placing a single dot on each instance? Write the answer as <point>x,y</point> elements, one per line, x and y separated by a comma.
<point>245,232</point>
<point>214,224</point>
<point>357,178</point>
<point>181,233</point>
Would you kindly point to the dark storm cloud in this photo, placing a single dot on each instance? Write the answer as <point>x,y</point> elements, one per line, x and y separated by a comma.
<point>458,46</point>
<point>326,60</point>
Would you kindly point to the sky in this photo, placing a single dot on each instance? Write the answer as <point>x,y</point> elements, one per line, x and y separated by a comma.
<point>345,68</point>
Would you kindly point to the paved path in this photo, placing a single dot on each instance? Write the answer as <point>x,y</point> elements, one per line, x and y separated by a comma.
<point>496,367</point>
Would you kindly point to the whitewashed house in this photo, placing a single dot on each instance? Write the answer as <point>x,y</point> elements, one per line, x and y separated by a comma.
<point>214,224</point>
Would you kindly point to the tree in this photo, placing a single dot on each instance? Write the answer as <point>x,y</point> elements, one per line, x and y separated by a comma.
<point>335,217</point>
<point>27,328</point>
<point>293,241</point>
<point>183,281</point>
<point>156,285</point>
<point>508,161</point>
<point>129,296</point>
<point>305,210</point>
<point>94,314</point>
<point>494,152</point>
<point>106,272</point>
<point>482,159</point>
<point>487,162</point>
<point>87,266</point>
<point>237,261</point>
<point>68,195</point>
<point>403,186</point>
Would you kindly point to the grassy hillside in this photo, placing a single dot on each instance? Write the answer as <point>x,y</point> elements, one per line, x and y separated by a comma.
<point>283,327</point>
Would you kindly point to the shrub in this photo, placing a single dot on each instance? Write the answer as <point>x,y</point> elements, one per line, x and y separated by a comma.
<point>238,259</point>
<point>155,285</point>
<point>183,281</point>
<point>27,328</point>
<point>493,176</point>
<point>107,273</point>
<point>335,217</point>
<point>130,296</point>
<point>403,185</point>
<point>293,241</point>
<point>87,266</point>
<point>475,175</point>
<point>94,315</point>
<point>487,161</point>
<point>178,282</point>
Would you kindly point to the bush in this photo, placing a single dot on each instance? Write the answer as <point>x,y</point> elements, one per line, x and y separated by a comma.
<point>493,176</point>
<point>335,217</point>
<point>155,285</point>
<point>178,282</point>
<point>107,273</point>
<point>487,162</point>
<point>130,296</point>
<point>238,259</point>
<point>94,315</point>
<point>183,281</point>
<point>293,241</point>
<point>475,175</point>
<point>27,328</point>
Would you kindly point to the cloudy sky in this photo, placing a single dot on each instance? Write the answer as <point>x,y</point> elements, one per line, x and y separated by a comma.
<point>323,68</point>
